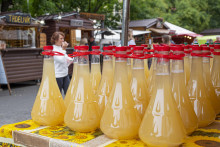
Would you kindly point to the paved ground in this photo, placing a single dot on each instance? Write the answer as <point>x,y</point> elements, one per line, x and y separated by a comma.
<point>17,107</point>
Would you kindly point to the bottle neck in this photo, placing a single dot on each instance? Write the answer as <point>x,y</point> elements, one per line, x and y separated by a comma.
<point>83,59</point>
<point>121,69</point>
<point>163,64</point>
<point>196,67</point>
<point>95,59</point>
<point>138,64</point>
<point>177,66</point>
<point>48,68</point>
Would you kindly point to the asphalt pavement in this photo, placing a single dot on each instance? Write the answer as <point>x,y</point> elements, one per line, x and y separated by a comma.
<point>17,107</point>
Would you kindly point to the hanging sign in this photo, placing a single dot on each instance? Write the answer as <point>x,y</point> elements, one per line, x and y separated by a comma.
<point>76,23</point>
<point>93,16</point>
<point>19,19</point>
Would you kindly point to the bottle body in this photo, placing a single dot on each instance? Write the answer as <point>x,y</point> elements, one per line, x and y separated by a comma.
<point>187,68</point>
<point>209,87</point>
<point>162,124</point>
<point>48,108</point>
<point>105,86</point>
<point>183,102</point>
<point>95,76</point>
<point>120,119</point>
<point>139,87</point>
<point>72,86</point>
<point>82,114</point>
<point>216,75</point>
<point>198,96</point>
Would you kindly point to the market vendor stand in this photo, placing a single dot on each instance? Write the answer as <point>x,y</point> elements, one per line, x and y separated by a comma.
<point>24,40</point>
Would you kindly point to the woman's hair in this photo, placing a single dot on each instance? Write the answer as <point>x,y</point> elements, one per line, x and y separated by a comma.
<point>55,37</point>
<point>166,39</point>
<point>130,35</point>
<point>83,41</point>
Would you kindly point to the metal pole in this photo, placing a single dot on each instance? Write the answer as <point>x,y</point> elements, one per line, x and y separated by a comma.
<point>125,22</point>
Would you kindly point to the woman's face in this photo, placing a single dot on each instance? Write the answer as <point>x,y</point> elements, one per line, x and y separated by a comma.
<point>59,41</point>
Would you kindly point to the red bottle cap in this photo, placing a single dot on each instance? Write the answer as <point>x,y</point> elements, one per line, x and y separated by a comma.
<point>196,48</point>
<point>138,48</point>
<point>83,48</point>
<point>177,48</point>
<point>122,48</point>
<point>144,45</point>
<point>217,46</point>
<point>205,48</point>
<point>107,48</point>
<point>95,47</point>
<point>48,48</point>
<point>162,48</point>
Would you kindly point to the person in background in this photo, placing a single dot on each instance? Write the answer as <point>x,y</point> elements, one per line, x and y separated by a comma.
<point>61,63</point>
<point>166,39</point>
<point>83,42</point>
<point>195,41</point>
<point>131,40</point>
<point>92,43</point>
<point>217,39</point>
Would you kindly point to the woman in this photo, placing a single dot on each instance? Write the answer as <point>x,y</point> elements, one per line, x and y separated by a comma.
<point>61,63</point>
<point>131,40</point>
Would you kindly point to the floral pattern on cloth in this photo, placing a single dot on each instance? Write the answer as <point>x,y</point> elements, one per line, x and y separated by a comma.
<point>6,130</point>
<point>66,134</point>
<point>127,143</point>
<point>2,144</point>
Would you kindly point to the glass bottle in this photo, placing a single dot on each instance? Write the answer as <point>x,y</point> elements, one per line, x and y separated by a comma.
<point>48,108</point>
<point>197,90</point>
<point>180,92</point>
<point>162,124</point>
<point>82,114</point>
<point>216,70</point>
<point>211,59</point>
<point>208,81</point>
<point>72,85</point>
<point>186,64</point>
<point>106,83</point>
<point>138,83</point>
<point>129,66</point>
<point>120,119</point>
<point>95,68</point>
<point>146,70</point>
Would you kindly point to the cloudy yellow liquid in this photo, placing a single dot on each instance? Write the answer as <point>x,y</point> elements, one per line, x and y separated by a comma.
<point>120,119</point>
<point>48,108</point>
<point>146,70</point>
<point>216,75</point>
<point>105,86</point>
<point>129,70</point>
<point>82,114</point>
<point>186,69</point>
<point>198,96</point>
<point>139,90</point>
<point>209,87</point>
<point>162,124</point>
<point>183,102</point>
<point>95,76</point>
<point>72,86</point>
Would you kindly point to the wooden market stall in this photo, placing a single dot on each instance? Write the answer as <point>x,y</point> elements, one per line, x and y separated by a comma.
<point>74,25</point>
<point>21,59</point>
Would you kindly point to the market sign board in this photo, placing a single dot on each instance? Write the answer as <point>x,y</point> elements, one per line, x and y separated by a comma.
<point>92,16</point>
<point>18,19</point>
<point>76,23</point>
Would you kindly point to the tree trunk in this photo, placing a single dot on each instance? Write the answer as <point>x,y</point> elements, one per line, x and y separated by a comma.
<point>5,4</point>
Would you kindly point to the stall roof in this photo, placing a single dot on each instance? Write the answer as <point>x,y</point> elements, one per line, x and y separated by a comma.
<point>145,23</point>
<point>135,32</point>
<point>211,32</point>
<point>179,31</point>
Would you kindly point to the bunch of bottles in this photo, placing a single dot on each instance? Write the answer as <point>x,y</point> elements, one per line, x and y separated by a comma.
<point>161,105</point>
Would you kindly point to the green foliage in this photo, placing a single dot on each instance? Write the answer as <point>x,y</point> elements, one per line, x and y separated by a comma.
<point>195,15</point>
